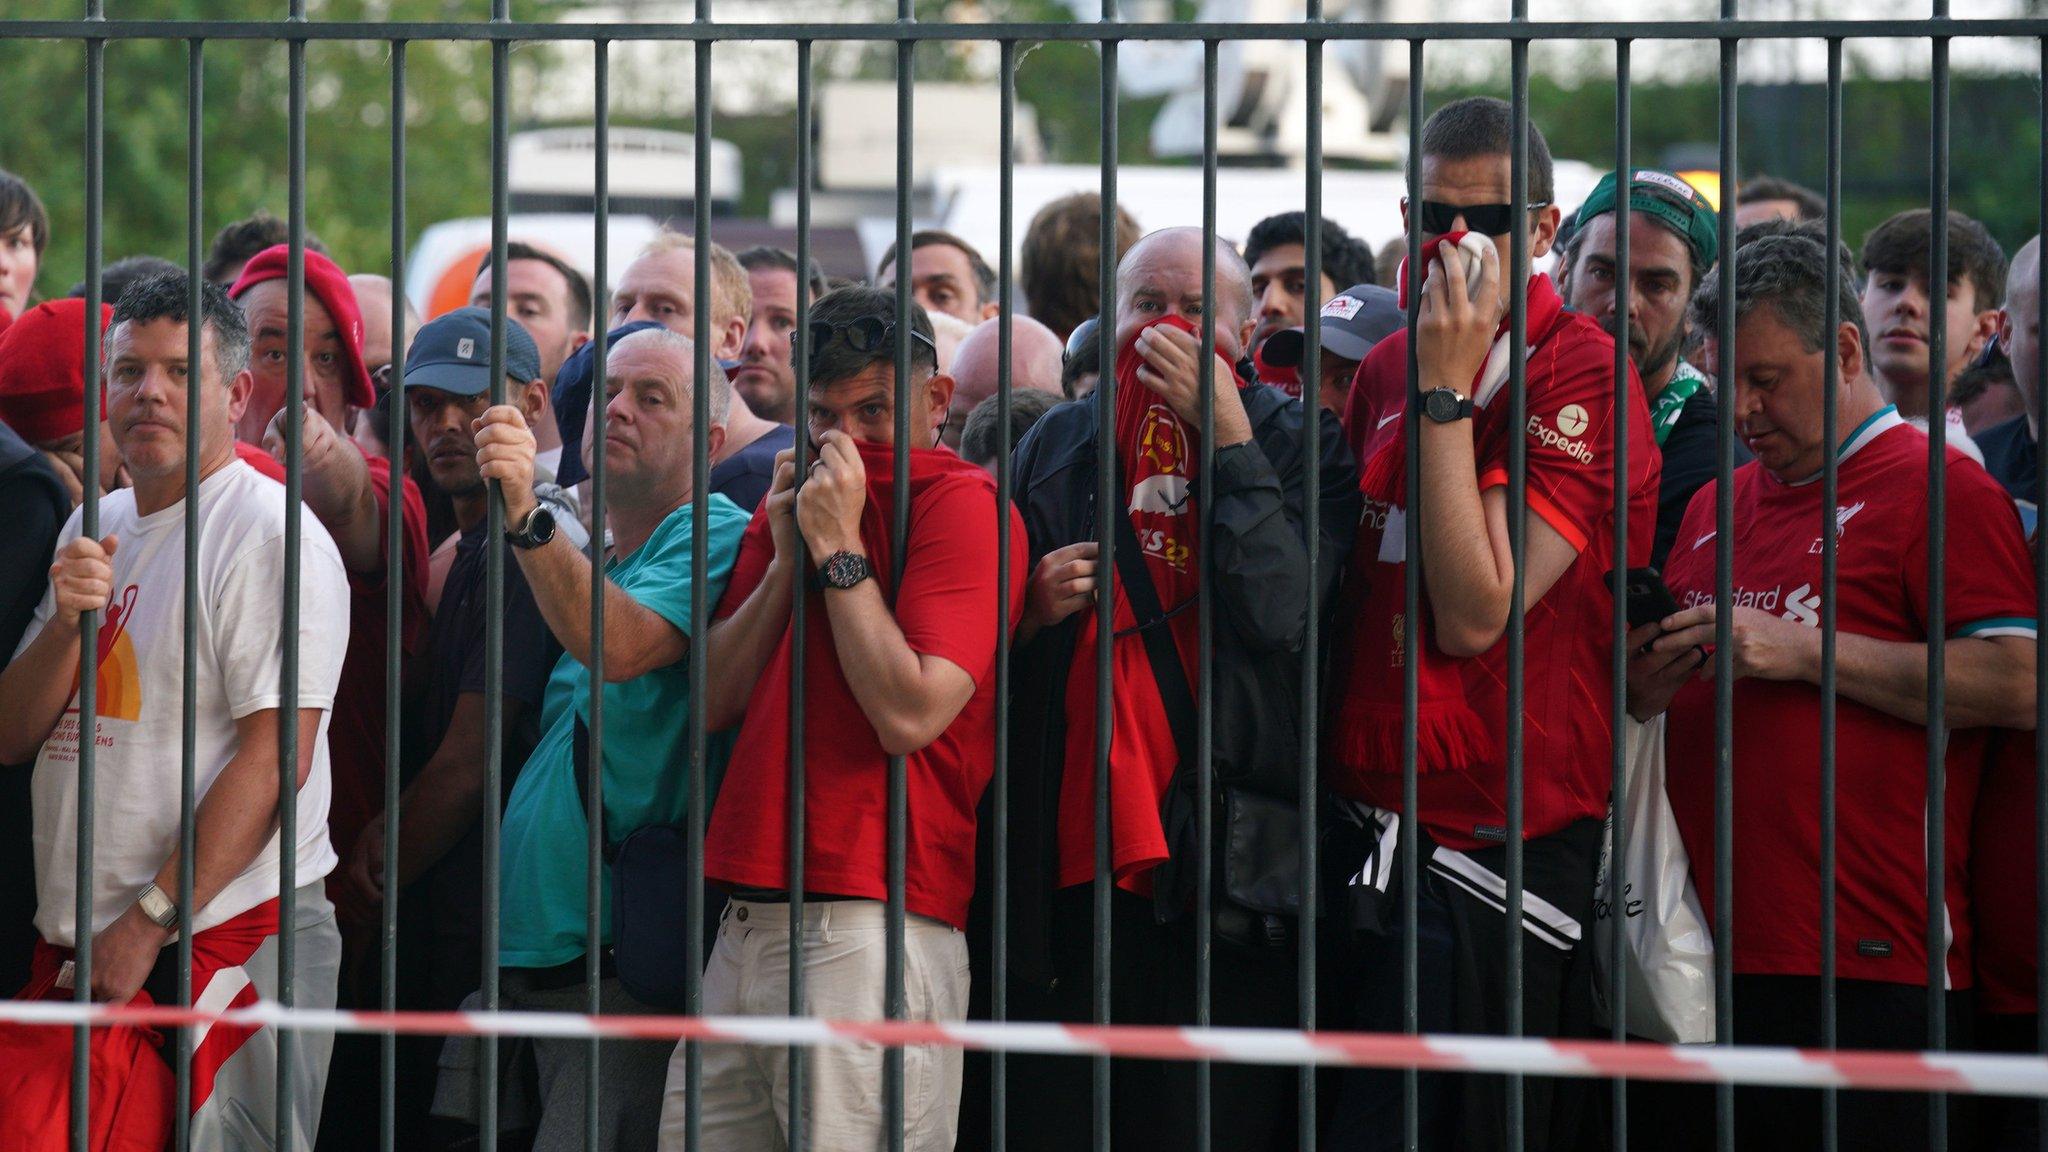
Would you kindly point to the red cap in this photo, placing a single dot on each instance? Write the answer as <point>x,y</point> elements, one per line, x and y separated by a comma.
<point>42,371</point>
<point>329,285</point>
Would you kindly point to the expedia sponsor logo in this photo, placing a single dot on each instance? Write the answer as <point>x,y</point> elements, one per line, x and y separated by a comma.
<point>1571,421</point>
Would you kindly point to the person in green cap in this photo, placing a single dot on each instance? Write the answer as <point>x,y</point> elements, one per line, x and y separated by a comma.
<point>1673,241</point>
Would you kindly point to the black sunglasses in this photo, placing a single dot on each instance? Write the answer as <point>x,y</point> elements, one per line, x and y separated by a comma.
<point>862,334</point>
<point>1485,219</point>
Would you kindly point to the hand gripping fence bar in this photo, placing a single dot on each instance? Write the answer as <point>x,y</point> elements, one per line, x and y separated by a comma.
<point>1948,1072</point>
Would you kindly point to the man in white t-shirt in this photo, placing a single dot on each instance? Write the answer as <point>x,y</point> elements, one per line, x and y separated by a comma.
<point>134,575</point>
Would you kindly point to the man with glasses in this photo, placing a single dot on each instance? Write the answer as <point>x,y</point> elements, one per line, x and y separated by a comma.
<point>1469,580</point>
<point>1253,541</point>
<point>900,655</point>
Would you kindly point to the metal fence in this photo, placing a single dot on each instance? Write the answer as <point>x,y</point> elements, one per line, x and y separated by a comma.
<point>501,32</point>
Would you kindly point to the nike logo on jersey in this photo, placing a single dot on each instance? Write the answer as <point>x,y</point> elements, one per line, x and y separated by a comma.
<point>1702,541</point>
<point>1386,420</point>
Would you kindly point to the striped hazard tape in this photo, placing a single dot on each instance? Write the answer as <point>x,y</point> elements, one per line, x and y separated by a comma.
<point>1954,1072</point>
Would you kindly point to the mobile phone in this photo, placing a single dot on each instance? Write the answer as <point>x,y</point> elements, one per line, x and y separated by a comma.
<point>1649,600</point>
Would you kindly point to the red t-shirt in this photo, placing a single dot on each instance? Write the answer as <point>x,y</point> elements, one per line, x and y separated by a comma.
<point>2003,899</point>
<point>1568,682</point>
<point>947,608</point>
<point>1881,811</point>
<point>355,733</point>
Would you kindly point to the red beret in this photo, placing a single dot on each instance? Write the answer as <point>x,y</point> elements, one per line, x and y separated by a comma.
<point>329,285</point>
<point>42,371</point>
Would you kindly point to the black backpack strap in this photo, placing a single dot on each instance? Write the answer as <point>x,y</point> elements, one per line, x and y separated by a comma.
<point>579,766</point>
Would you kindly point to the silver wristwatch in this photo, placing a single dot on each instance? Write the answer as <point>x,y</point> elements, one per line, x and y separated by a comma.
<point>158,907</point>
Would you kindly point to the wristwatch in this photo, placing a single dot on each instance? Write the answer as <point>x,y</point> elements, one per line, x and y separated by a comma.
<point>844,570</point>
<point>158,907</point>
<point>538,529</point>
<point>1444,405</point>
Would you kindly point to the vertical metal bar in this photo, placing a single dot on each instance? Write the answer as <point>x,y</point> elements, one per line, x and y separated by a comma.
<point>593,817</point>
<point>999,961</point>
<point>89,527</point>
<point>1312,531</point>
<point>188,744</point>
<point>899,541</point>
<point>1617,823</point>
<point>294,532</point>
<point>700,527</point>
<point>1724,635</point>
<point>394,608</point>
<point>1105,567</point>
<point>1831,434</point>
<point>1937,581</point>
<point>1518,546</point>
<point>494,585</point>
<point>800,361</point>
<point>2039,409</point>
<point>1205,731</point>
<point>1411,609</point>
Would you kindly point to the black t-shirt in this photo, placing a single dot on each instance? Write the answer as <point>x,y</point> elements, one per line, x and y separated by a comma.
<point>1690,453</point>
<point>2014,460</point>
<point>37,507</point>
<point>744,477</point>
<point>442,909</point>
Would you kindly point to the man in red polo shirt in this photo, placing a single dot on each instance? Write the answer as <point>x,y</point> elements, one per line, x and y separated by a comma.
<point>901,666</point>
<point>1880,521</point>
<point>1468,575</point>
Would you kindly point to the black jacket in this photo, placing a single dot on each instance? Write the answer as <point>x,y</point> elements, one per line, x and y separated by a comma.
<point>1260,616</point>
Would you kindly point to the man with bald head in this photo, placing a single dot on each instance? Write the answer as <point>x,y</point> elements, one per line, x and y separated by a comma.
<point>648,583</point>
<point>1035,355</point>
<point>2010,449</point>
<point>1263,591</point>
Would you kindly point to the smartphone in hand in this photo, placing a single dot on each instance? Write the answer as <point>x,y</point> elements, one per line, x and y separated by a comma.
<point>1649,600</point>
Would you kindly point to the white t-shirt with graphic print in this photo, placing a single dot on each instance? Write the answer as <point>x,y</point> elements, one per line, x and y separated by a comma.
<point>141,681</point>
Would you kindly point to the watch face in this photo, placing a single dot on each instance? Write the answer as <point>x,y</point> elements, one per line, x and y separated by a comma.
<point>1441,405</point>
<point>844,569</point>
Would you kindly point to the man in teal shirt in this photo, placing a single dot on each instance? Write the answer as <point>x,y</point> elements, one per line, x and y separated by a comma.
<point>648,586</point>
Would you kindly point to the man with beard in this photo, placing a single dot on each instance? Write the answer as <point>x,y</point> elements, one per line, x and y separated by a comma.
<point>1673,238</point>
<point>765,378</point>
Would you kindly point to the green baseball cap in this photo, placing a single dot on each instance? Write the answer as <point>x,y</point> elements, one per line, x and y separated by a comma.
<point>1667,199</point>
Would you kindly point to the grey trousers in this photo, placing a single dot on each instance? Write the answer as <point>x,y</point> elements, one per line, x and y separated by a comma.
<point>241,1113</point>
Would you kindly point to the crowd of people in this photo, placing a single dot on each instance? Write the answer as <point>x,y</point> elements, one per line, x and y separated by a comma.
<point>899,650</point>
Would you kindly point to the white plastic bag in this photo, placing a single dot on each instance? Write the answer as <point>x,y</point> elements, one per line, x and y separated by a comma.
<point>1669,958</point>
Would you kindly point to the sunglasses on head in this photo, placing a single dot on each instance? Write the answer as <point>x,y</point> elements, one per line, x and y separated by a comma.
<point>863,334</point>
<point>1485,219</point>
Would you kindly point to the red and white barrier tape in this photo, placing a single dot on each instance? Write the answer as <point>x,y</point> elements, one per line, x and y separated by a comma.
<point>1779,1067</point>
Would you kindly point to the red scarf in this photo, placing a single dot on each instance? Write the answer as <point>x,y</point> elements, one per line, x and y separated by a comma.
<point>1157,451</point>
<point>1366,735</point>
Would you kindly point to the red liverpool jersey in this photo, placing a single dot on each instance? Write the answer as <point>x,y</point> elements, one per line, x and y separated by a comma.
<point>1880,521</point>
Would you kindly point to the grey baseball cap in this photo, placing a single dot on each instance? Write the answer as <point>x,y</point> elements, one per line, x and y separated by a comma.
<point>1353,321</point>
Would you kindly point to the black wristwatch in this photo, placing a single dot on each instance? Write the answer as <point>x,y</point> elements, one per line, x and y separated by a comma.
<point>844,570</point>
<point>538,529</point>
<point>1444,405</point>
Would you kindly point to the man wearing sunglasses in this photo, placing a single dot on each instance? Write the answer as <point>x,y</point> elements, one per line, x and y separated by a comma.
<point>900,652</point>
<point>1251,538</point>
<point>1462,401</point>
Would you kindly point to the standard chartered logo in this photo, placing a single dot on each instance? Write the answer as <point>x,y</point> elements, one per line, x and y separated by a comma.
<point>1802,606</point>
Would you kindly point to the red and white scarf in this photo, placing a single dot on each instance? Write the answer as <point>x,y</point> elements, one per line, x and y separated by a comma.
<point>1157,451</point>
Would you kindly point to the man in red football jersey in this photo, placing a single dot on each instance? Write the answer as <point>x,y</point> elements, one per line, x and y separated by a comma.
<point>1462,821</point>
<point>1883,606</point>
